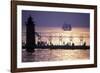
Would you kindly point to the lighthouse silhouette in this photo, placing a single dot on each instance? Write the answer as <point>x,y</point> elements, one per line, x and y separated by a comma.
<point>30,35</point>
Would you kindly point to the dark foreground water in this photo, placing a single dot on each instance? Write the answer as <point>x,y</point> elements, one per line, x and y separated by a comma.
<point>54,55</point>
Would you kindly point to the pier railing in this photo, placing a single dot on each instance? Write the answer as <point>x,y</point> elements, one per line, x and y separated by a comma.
<point>59,38</point>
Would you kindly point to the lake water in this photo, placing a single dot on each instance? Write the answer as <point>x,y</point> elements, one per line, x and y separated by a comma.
<point>58,54</point>
<point>54,55</point>
<point>58,36</point>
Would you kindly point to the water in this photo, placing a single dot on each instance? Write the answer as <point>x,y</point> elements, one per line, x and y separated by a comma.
<point>55,33</point>
<point>58,54</point>
<point>54,55</point>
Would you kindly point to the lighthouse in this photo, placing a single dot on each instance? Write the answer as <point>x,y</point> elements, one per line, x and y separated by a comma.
<point>30,35</point>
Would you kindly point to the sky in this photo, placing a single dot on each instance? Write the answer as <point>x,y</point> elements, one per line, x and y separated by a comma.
<point>56,19</point>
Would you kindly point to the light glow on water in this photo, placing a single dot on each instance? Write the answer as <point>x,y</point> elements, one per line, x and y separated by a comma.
<point>55,55</point>
<point>60,37</point>
<point>59,54</point>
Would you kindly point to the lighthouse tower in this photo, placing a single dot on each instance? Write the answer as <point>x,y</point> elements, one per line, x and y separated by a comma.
<point>30,35</point>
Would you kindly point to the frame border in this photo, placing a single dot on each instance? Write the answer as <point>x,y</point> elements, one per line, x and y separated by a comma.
<point>14,35</point>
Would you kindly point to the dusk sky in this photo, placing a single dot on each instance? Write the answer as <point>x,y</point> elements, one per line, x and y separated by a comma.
<point>56,19</point>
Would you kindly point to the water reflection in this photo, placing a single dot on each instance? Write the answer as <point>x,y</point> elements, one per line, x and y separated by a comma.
<point>54,55</point>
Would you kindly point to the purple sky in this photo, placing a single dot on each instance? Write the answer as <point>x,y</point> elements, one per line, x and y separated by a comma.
<point>56,19</point>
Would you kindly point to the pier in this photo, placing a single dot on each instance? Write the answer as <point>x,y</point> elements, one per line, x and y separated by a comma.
<point>57,40</point>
